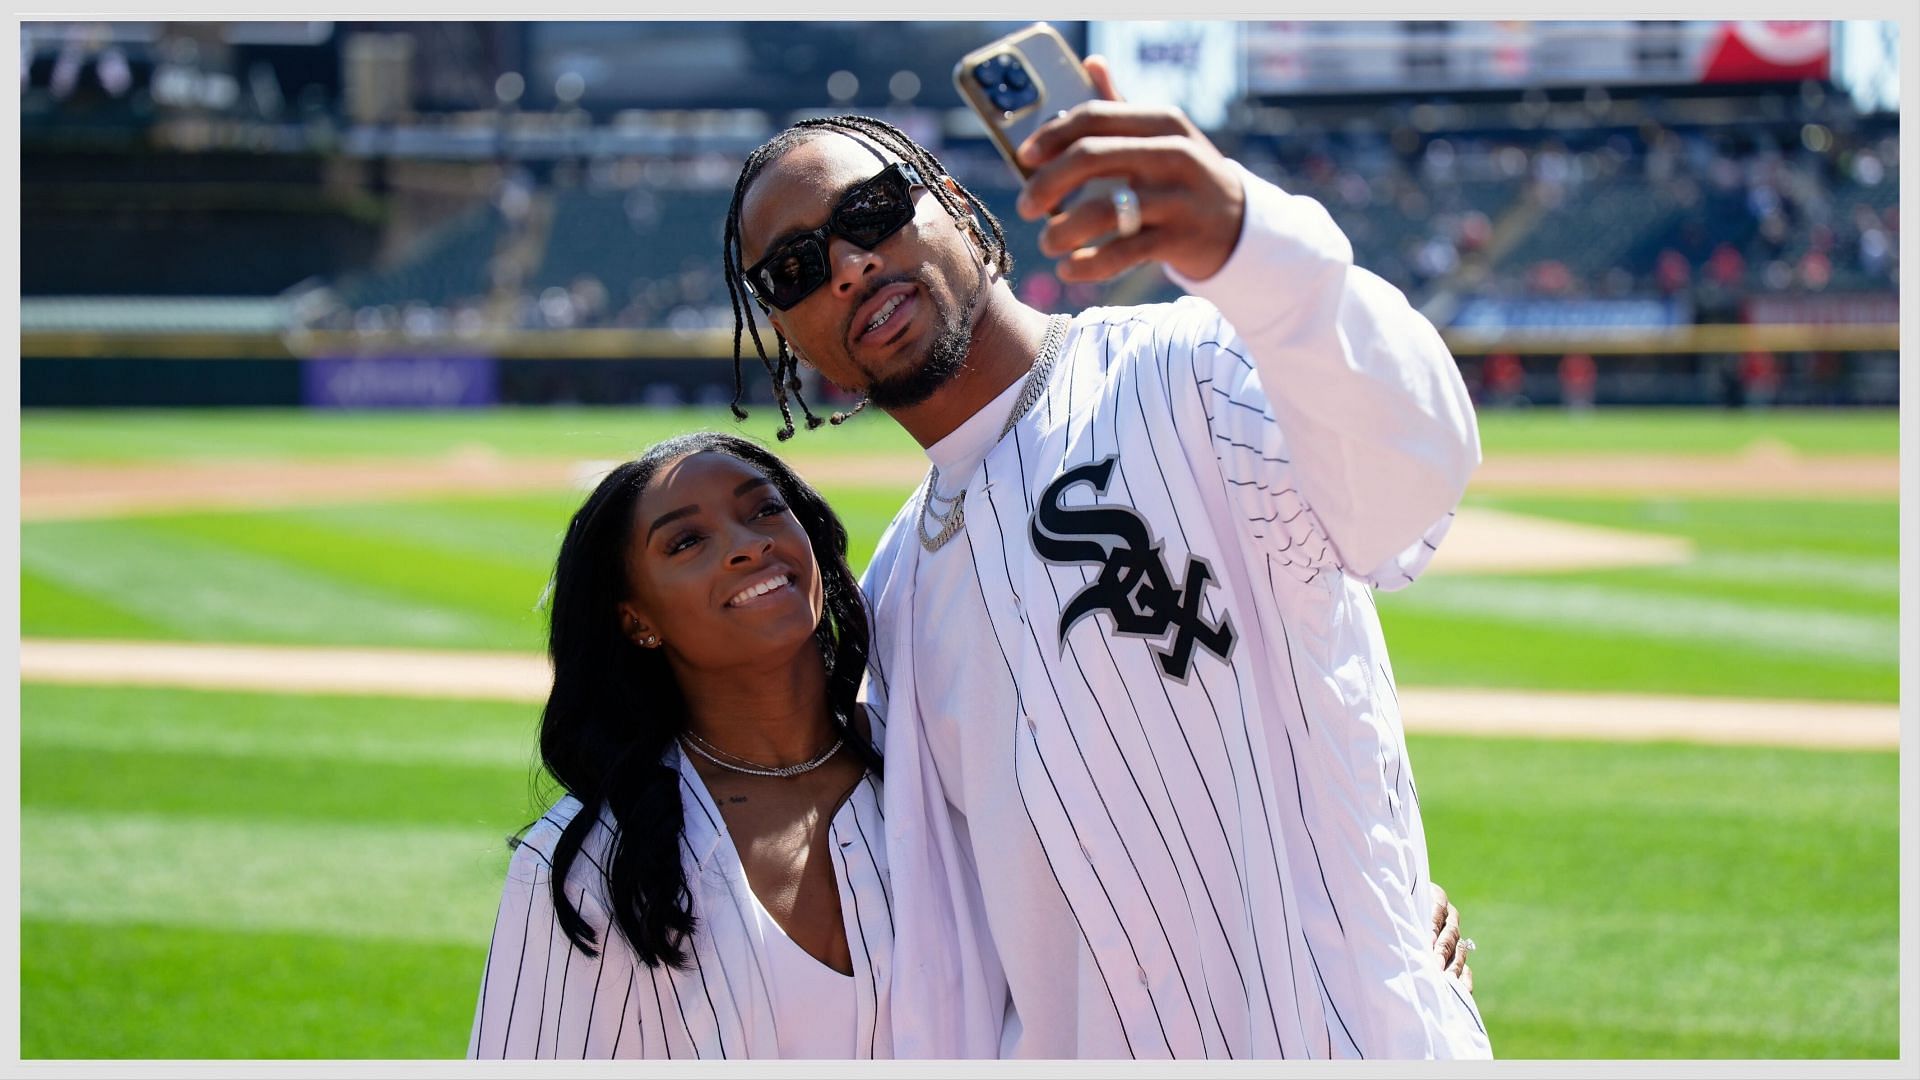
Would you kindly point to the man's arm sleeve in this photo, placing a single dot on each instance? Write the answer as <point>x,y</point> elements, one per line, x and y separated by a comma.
<point>1378,428</point>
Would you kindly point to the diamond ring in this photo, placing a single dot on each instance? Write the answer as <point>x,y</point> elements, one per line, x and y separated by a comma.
<point>1126,210</point>
<point>1467,945</point>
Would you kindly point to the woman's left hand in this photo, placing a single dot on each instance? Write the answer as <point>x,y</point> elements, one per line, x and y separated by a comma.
<point>1448,945</point>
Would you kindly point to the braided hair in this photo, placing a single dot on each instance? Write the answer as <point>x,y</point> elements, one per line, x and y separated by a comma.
<point>783,366</point>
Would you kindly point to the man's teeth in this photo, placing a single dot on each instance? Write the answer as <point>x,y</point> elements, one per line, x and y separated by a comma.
<point>885,312</point>
<point>758,590</point>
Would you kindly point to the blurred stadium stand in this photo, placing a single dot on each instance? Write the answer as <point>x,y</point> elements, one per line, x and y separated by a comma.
<point>549,197</point>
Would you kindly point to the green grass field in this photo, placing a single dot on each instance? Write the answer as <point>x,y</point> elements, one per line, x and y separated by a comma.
<point>241,875</point>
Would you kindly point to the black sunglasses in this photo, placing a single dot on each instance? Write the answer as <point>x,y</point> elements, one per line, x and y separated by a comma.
<point>870,213</point>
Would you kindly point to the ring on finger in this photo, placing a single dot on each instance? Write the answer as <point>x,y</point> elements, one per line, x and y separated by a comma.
<point>1467,944</point>
<point>1126,210</point>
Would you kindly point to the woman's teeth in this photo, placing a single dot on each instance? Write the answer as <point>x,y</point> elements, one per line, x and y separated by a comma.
<point>761,589</point>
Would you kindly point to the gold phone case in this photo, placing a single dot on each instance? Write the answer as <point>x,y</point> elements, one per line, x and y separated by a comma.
<point>1055,70</point>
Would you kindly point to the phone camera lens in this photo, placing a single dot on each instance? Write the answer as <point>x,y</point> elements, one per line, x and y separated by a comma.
<point>1017,78</point>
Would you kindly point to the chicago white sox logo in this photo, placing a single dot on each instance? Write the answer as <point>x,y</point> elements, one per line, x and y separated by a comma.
<point>1134,586</point>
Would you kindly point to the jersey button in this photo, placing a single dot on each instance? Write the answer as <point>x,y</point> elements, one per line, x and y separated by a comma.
<point>1143,975</point>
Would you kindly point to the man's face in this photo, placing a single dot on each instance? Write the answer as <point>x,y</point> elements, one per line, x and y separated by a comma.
<point>921,285</point>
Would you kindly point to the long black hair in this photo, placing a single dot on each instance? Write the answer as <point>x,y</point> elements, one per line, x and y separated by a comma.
<point>783,366</point>
<point>616,707</point>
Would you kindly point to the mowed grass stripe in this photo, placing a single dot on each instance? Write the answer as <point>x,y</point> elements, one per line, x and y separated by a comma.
<point>1689,431</point>
<point>286,789</point>
<point>234,582</point>
<point>522,531</point>
<point>1658,618</point>
<point>616,433</point>
<point>1839,577</point>
<point>91,990</point>
<point>1447,648</point>
<point>496,798</point>
<point>1670,900</point>
<point>450,573</point>
<point>1861,528</point>
<point>53,607</point>
<point>354,880</point>
<point>267,731</point>
<point>390,562</point>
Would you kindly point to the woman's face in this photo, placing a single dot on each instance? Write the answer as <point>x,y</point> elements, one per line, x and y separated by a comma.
<point>720,568</point>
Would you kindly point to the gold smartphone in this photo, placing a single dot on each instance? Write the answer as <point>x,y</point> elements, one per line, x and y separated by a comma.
<point>1020,82</point>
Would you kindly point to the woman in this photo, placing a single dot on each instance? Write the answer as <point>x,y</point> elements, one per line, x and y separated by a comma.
<point>725,896</point>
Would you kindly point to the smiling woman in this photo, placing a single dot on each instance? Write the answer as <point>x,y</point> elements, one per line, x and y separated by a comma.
<point>719,852</point>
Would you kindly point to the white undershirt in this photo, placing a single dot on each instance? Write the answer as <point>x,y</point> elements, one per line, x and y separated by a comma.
<point>814,1006</point>
<point>968,707</point>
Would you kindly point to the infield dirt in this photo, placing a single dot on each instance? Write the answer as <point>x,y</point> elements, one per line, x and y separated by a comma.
<point>59,491</point>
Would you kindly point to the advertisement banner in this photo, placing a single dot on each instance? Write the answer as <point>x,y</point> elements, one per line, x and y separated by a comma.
<point>1624,316</point>
<point>399,382</point>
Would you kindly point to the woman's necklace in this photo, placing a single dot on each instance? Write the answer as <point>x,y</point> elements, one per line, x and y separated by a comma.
<point>714,754</point>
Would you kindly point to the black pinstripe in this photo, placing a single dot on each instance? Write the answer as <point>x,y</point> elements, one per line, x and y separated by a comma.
<point>873,981</point>
<point>1153,454</point>
<point>864,842</point>
<point>1166,356</point>
<point>560,1007</point>
<point>514,1000</point>
<point>719,1029</point>
<point>1293,676</point>
<point>673,991</point>
<point>1146,804</point>
<point>486,977</point>
<point>1020,711</point>
<point>1000,530</point>
<point>620,1028</point>
<point>1260,783</point>
<point>1280,864</point>
<point>546,981</point>
<point>593,1003</point>
<point>1471,1011</point>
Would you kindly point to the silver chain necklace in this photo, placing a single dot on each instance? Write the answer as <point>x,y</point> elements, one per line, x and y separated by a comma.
<point>700,746</point>
<point>950,520</point>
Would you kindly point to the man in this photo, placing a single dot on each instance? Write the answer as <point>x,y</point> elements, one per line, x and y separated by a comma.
<point>1147,792</point>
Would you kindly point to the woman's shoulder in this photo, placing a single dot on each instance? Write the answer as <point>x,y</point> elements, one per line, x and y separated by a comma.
<point>534,847</point>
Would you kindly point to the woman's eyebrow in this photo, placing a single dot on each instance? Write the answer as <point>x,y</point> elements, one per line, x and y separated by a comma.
<point>674,515</point>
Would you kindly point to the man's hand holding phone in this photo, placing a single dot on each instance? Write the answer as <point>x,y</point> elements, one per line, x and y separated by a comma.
<point>1188,194</point>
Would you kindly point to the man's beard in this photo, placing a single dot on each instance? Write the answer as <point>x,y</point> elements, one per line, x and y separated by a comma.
<point>946,355</point>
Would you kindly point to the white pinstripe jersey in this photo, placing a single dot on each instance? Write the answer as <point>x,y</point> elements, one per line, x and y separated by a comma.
<point>542,998</point>
<point>1160,664</point>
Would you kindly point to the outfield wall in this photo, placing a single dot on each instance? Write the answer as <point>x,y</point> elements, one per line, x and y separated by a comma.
<point>1722,365</point>
<point>383,382</point>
